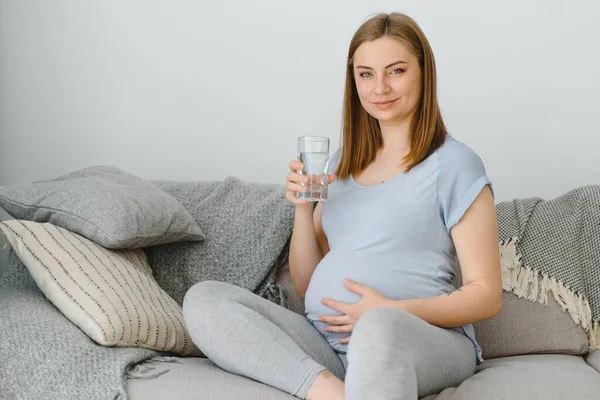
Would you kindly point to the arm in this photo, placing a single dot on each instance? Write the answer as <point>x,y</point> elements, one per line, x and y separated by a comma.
<point>308,245</point>
<point>480,297</point>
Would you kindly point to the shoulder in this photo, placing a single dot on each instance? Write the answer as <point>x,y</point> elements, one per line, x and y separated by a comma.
<point>457,158</point>
<point>461,176</point>
<point>457,153</point>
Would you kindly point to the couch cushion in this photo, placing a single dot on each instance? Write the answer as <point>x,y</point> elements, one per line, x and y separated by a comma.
<point>199,379</point>
<point>533,377</point>
<point>524,327</point>
<point>107,205</point>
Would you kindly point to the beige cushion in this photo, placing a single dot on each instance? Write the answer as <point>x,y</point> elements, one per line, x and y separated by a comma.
<point>109,294</point>
<point>547,377</point>
<point>525,327</point>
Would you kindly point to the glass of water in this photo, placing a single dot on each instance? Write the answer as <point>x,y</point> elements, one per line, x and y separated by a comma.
<point>313,152</point>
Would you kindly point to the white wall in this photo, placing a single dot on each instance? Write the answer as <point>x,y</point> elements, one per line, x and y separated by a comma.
<point>197,90</point>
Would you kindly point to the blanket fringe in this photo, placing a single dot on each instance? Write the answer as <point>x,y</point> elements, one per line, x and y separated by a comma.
<point>533,285</point>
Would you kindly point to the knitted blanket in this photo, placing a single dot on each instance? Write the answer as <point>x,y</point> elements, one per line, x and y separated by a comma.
<point>247,225</point>
<point>44,356</point>
<point>553,247</point>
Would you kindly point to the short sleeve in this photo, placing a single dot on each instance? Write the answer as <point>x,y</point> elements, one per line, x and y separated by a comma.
<point>461,177</point>
<point>334,160</point>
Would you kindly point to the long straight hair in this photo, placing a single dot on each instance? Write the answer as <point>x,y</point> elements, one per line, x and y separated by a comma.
<point>361,134</point>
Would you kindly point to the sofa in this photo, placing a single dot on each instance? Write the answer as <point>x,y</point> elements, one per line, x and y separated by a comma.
<point>532,350</point>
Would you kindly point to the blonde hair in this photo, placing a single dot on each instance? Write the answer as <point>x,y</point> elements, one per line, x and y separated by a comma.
<point>361,134</point>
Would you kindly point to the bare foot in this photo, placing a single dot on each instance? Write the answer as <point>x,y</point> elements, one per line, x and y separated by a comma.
<point>326,386</point>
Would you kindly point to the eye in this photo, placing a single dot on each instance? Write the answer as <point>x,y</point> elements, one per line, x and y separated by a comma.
<point>397,71</point>
<point>364,74</point>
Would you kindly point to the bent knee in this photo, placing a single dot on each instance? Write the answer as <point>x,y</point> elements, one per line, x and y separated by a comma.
<point>386,324</point>
<point>382,316</point>
<point>206,296</point>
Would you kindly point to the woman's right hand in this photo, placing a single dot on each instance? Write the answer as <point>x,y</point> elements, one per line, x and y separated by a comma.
<point>295,182</point>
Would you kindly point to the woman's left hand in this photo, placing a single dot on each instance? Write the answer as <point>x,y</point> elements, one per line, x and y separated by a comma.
<point>352,312</point>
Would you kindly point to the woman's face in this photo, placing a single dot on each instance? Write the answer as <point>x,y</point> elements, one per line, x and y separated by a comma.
<point>388,79</point>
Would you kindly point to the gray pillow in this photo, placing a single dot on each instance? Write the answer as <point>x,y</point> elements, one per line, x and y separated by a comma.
<point>105,204</point>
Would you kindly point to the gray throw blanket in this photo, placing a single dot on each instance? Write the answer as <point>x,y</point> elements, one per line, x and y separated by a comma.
<point>553,246</point>
<point>247,225</point>
<point>44,356</point>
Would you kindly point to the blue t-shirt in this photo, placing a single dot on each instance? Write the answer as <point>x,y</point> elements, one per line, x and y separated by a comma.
<point>394,236</point>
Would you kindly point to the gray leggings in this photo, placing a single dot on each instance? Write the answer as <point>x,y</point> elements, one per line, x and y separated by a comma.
<point>392,354</point>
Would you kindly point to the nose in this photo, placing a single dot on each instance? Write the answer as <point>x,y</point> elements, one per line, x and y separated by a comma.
<point>381,85</point>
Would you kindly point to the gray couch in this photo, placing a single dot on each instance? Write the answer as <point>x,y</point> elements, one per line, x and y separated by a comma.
<point>532,352</point>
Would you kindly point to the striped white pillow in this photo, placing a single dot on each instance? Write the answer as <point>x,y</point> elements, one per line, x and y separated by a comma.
<point>110,295</point>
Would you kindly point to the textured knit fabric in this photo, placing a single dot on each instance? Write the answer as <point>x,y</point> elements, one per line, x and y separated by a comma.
<point>552,247</point>
<point>394,236</point>
<point>247,228</point>
<point>44,356</point>
<point>107,205</point>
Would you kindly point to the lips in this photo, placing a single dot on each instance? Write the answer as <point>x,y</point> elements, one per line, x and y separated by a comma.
<point>382,105</point>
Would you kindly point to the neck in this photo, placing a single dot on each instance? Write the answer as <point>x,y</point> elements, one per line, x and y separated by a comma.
<point>396,135</point>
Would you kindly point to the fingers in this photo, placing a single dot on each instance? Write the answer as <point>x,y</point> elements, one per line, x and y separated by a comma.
<point>345,340</point>
<point>299,183</point>
<point>296,165</point>
<point>297,178</point>
<point>291,197</point>
<point>295,185</point>
<point>339,328</point>
<point>336,305</point>
<point>335,319</point>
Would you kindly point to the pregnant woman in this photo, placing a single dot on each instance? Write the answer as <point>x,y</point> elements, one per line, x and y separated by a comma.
<point>408,208</point>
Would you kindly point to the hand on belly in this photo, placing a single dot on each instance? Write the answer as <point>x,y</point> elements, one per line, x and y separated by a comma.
<point>349,313</point>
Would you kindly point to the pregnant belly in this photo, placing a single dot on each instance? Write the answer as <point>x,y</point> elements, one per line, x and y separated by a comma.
<point>394,278</point>
<point>391,276</point>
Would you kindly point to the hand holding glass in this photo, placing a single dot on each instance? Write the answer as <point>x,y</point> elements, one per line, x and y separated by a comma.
<point>313,153</point>
<point>308,180</point>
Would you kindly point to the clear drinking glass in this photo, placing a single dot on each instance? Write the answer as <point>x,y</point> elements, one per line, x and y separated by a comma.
<point>313,151</point>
